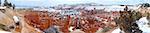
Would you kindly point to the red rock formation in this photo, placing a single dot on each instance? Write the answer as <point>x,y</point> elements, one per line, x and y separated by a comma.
<point>43,20</point>
<point>39,20</point>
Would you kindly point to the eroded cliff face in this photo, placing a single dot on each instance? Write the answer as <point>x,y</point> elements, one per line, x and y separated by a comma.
<point>37,20</point>
<point>46,22</point>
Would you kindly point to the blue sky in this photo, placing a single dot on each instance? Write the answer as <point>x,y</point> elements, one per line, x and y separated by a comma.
<point>56,2</point>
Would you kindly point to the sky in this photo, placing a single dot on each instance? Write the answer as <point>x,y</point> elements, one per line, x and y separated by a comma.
<point>58,2</point>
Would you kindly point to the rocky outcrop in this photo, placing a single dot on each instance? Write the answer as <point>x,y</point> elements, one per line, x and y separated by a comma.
<point>127,21</point>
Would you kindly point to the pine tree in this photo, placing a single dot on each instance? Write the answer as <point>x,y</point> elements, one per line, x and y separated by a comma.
<point>7,4</point>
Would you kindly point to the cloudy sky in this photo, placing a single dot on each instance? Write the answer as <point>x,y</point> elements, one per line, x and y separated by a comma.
<point>56,2</point>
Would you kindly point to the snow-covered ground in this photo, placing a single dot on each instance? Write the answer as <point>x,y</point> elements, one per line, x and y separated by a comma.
<point>16,18</point>
<point>4,32</point>
<point>143,25</point>
<point>77,31</point>
<point>117,30</point>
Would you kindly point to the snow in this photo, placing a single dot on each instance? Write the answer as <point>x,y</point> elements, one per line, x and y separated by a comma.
<point>16,19</point>
<point>77,31</point>
<point>4,32</point>
<point>70,29</point>
<point>142,23</point>
<point>118,30</point>
<point>2,7</point>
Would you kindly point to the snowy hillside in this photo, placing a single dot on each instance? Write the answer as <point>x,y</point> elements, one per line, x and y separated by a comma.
<point>143,25</point>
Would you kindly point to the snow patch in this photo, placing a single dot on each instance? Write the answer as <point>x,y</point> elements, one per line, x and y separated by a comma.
<point>142,23</point>
<point>16,19</point>
<point>4,32</point>
<point>118,30</point>
<point>70,29</point>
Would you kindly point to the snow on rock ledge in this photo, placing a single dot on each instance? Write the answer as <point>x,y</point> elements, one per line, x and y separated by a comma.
<point>143,25</point>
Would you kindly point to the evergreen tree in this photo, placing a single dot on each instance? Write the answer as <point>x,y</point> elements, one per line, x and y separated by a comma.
<point>0,2</point>
<point>145,5</point>
<point>7,4</point>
